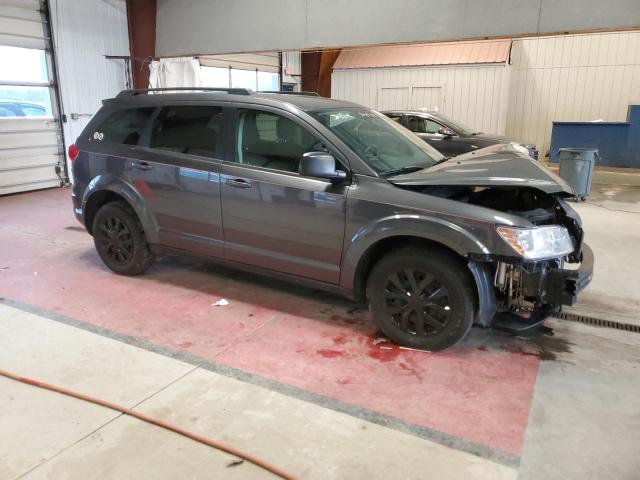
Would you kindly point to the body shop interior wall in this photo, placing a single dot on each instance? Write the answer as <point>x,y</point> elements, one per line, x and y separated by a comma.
<point>193,27</point>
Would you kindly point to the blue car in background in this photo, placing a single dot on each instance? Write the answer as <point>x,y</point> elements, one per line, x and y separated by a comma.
<point>15,108</point>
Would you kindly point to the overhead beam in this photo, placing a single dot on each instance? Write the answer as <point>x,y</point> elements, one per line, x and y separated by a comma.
<point>198,27</point>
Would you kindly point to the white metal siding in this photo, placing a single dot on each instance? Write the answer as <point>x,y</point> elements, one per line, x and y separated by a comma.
<point>571,78</point>
<point>29,146</point>
<point>475,95</point>
<point>293,61</point>
<point>84,32</point>
<point>29,152</point>
<point>21,24</point>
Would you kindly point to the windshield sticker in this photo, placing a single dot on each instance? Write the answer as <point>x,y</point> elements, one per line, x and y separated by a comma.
<point>98,136</point>
<point>336,119</point>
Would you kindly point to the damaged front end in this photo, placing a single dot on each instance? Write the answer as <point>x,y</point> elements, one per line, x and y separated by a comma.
<point>530,287</point>
<point>550,263</point>
<point>538,261</point>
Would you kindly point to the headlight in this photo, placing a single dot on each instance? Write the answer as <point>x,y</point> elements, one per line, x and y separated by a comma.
<point>538,243</point>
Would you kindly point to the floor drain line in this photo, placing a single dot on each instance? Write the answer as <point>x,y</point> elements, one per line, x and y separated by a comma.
<point>599,322</point>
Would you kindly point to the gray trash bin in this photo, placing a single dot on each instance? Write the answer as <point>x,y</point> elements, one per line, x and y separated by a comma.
<point>576,168</point>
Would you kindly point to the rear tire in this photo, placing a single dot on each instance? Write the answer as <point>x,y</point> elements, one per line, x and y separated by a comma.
<point>120,240</point>
<point>422,298</point>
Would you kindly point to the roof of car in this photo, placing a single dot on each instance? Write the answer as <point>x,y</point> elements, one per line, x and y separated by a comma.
<point>302,100</point>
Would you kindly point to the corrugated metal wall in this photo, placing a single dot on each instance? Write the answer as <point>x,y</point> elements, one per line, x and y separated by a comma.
<point>475,95</point>
<point>293,61</point>
<point>29,146</point>
<point>571,78</point>
<point>84,32</point>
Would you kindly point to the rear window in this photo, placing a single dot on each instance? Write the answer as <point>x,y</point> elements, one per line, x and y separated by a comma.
<point>194,130</point>
<point>124,126</point>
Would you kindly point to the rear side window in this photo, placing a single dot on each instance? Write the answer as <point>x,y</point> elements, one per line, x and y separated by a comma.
<point>124,126</point>
<point>196,130</point>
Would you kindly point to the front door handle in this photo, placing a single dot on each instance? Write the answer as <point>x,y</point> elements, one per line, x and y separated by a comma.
<point>238,182</point>
<point>142,165</point>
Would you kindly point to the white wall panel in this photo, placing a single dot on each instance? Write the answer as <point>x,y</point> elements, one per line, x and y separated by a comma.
<point>293,61</point>
<point>475,95</point>
<point>195,27</point>
<point>28,154</point>
<point>84,32</point>
<point>21,24</point>
<point>29,146</point>
<point>571,78</point>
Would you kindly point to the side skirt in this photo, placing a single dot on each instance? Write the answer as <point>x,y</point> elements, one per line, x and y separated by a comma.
<point>305,282</point>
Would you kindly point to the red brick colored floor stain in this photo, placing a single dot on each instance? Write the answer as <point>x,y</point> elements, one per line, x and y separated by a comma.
<point>310,340</point>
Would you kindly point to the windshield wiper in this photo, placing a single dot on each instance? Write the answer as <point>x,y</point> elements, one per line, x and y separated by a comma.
<point>442,160</point>
<point>401,170</point>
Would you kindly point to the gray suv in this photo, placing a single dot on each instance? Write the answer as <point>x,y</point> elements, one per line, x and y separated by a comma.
<point>335,196</point>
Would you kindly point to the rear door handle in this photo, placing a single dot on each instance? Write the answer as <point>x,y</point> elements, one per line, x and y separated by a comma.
<point>238,182</point>
<point>142,165</point>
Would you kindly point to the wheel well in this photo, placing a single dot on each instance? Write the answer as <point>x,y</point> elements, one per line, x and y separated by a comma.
<point>381,248</point>
<point>97,201</point>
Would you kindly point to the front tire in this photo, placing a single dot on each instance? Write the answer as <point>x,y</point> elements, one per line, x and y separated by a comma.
<point>422,298</point>
<point>120,240</point>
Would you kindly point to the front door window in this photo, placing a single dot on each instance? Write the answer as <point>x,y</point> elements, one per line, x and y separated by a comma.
<point>272,141</point>
<point>423,125</point>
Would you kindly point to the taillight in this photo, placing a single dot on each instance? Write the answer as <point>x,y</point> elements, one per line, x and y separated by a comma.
<point>73,152</point>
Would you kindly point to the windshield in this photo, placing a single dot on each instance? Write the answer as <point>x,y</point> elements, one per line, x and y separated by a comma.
<point>457,126</point>
<point>383,144</point>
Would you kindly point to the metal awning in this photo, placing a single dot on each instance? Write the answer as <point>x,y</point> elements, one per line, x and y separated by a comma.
<point>425,54</point>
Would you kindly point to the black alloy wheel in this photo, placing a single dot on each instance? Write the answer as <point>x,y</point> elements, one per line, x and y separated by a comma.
<point>417,302</point>
<point>120,239</point>
<point>116,240</point>
<point>422,297</point>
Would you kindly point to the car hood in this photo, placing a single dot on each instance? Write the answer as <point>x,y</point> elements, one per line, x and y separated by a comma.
<point>498,138</point>
<point>499,165</point>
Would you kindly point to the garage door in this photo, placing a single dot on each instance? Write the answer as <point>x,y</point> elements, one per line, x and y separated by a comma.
<point>429,98</point>
<point>393,98</point>
<point>30,138</point>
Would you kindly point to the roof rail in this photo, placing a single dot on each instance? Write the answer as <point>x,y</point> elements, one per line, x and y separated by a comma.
<point>139,91</point>
<point>306,94</point>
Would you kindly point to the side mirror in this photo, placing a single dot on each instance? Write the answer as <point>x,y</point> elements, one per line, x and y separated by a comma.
<point>446,132</point>
<point>320,165</point>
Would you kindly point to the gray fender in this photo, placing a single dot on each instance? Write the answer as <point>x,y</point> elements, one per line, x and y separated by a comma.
<point>430,228</point>
<point>133,197</point>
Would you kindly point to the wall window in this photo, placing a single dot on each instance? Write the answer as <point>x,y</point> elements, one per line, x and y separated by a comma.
<point>124,126</point>
<point>193,130</point>
<point>27,66</point>
<point>244,79</point>
<point>272,141</point>
<point>268,81</point>
<point>217,77</point>
<point>214,77</point>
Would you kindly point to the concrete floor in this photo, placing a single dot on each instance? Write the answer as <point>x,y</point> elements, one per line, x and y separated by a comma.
<point>293,376</point>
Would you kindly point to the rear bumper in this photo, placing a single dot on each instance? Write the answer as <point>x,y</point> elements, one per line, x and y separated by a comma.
<point>77,208</point>
<point>562,286</point>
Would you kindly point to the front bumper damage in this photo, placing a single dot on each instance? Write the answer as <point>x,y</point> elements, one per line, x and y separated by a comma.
<point>539,290</point>
<point>562,286</point>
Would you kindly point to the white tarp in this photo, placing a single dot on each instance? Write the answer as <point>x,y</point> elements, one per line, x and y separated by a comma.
<point>175,72</point>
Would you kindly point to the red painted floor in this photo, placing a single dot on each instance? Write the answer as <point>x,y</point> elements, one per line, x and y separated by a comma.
<point>293,335</point>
